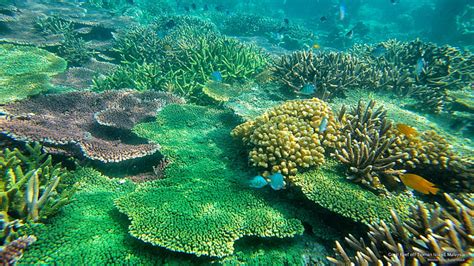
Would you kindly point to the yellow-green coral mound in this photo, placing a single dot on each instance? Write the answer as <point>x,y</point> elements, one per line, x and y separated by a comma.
<point>202,207</point>
<point>25,71</point>
<point>290,136</point>
<point>328,188</point>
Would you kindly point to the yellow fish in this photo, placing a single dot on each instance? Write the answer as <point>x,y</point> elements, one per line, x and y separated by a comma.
<point>407,130</point>
<point>419,184</point>
<point>316,46</point>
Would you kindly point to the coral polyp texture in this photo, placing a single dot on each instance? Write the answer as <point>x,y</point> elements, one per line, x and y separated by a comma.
<point>203,207</point>
<point>25,71</point>
<point>31,184</point>
<point>439,236</point>
<point>330,73</point>
<point>366,143</point>
<point>290,136</point>
<point>79,121</point>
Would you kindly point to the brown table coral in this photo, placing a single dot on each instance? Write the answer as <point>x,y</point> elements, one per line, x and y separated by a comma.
<point>97,123</point>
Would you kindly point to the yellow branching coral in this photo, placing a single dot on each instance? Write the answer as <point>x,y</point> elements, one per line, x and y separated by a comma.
<point>290,136</point>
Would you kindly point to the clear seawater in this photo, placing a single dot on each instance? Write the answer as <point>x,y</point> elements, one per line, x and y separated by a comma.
<point>187,132</point>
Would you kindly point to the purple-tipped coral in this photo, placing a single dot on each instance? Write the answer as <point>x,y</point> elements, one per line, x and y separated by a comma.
<point>79,119</point>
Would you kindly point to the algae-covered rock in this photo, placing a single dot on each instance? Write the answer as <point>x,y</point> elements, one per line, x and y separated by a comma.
<point>201,207</point>
<point>327,187</point>
<point>25,71</point>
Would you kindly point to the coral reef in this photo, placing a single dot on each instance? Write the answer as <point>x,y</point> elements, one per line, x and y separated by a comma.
<point>291,37</point>
<point>330,73</point>
<point>141,77</point>
<point>139,44</point>
<point>70,121</point>
<point>203,208</point>
<point>12,246</point>
<point>327,187</point>
<point>31,184</point>
<point>290,136</point>
<point>421,70</point>
<point>430,153</point>
<point>439,235</point>
<point>26,70</point>
<point>195,58</point>
<point>89,230</point>
<point>366,144</point>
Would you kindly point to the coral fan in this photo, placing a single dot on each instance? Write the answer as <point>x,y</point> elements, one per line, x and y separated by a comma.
<point>69,121</point>
<point>25,71</point>
<point>331,73</point>
<point>437,235</point>
<point>30,184</point>
<point>290,136</point>
<point>330,189</point>
<point>366,146</point>
<point>202,209</point>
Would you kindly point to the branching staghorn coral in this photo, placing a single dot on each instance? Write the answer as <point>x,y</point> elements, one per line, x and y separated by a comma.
<point>332,72</point>
<point>421,70</point>
<point>196,57</point>
<point>31,184</point>
<point>442,236</point>
<point>366,144</point>
<point>290,136</point>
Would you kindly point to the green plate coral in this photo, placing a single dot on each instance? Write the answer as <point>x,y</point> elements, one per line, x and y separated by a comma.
<point>201,207</point>
<point>90,231</point>
<point>26,70</point>
<point>328,188</point>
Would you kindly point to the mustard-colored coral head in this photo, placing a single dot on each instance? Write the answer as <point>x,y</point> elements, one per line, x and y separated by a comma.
<point>290,136</point>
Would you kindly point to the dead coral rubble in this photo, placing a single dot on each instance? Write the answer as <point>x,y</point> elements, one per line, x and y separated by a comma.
<point>78,119</point>
<point>443,236</point>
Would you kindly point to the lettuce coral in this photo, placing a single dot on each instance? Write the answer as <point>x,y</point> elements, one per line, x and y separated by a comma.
<point>331,190</point>
<point>203,207</point>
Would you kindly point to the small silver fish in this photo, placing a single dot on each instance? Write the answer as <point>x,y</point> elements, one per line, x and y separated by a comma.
<point>324,125</point>
<point>420,64</point>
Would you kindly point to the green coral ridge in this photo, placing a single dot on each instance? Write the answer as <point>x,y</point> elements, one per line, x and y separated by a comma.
<point>328,188</point>
<point>25,71</point>
<point>202,206</point>
<point>30,188</point>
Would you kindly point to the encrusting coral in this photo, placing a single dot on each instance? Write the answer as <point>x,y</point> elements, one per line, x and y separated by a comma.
<point>31,184</point>
<point>25,71</point>
<point>203,208</point>
<point>438,236</point>
<point>366,144</point>
<point>70,121</point>
<point>290,136</point>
